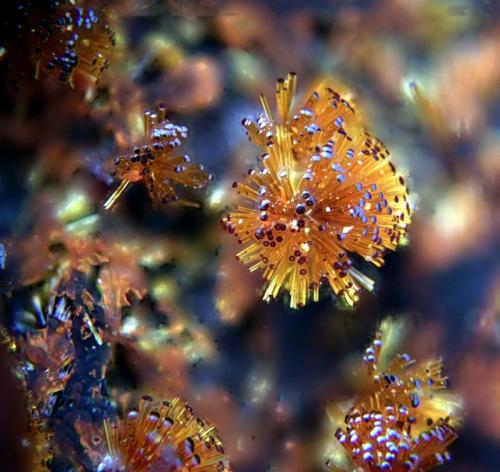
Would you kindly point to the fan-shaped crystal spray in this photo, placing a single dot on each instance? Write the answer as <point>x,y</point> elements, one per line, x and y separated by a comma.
<point>406,420</point>
<point>383,440</point>
<point>62,38</point>
<point>165,436</point>
<point>158,164</point>
<point>324,189</point>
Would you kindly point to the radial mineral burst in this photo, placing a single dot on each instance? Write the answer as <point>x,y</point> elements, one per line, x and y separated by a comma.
<point>62,37</point>
<point>419,385</point>
<point>162,437</point>
<point>324,189</point>
<point>406,420</point>
<point>158,164</point>
<point>383,440</point>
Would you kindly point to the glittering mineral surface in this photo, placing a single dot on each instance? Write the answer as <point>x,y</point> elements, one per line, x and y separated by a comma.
<point>249,235</point>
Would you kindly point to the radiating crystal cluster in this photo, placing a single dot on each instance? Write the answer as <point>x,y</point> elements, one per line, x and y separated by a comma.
<point>406,420</point>
<point>157,163</point>
<point>64,38</point>
<point>162,436</point>
<point>97,308</point>
<point>383,440</point>
<point>324,189</point>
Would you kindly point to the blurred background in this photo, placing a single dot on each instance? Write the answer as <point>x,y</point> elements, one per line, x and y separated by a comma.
<point>425,75</point>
